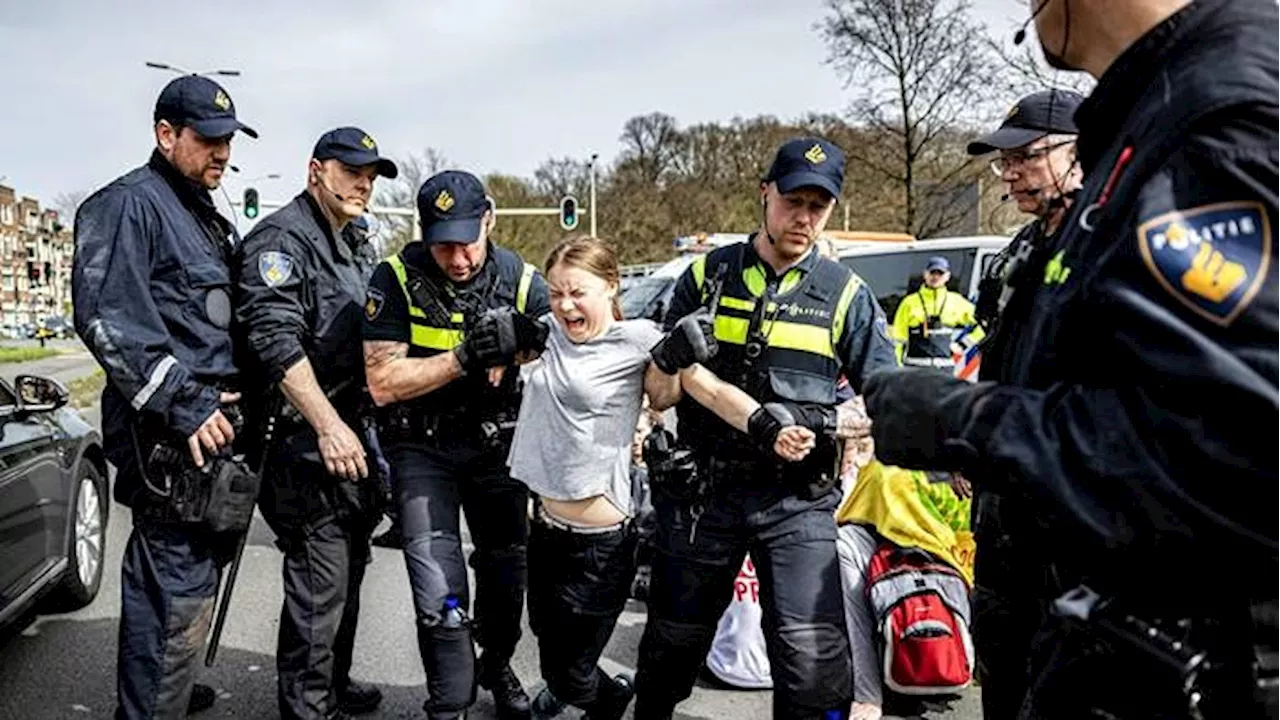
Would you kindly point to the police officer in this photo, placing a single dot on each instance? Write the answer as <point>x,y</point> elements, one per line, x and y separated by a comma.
<point>443,321</point>
<point>787,323</point>
<point>301,290</point>
<point>931,322</point>
<point>151,288</point>
<point>1037,161</point>
<point>1136,404</point>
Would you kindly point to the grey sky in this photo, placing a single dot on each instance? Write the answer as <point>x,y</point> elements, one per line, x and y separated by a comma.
<point>497,85</point>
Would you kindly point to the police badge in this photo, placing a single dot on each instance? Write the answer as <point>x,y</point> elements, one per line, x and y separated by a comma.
<point>275,268</point>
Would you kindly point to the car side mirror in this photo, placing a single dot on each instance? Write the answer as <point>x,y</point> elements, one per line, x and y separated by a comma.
<point>36,393</point>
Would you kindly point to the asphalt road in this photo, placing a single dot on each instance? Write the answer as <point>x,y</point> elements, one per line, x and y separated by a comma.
<point>63,666</point>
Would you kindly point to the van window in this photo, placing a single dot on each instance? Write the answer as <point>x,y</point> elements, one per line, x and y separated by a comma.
<point>893,275</point>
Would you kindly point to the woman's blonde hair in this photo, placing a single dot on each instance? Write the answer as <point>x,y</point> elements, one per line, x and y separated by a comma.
<point>592,255</point>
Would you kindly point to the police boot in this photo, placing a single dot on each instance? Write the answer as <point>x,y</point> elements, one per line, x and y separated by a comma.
<point>508,695</point>
<point>359,698</point>
<point>547,706</point>
<point>202,697</point>
<point>613,695</point>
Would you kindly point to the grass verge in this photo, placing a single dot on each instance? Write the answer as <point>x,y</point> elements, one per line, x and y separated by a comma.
<point>25,354</point>
<point>86,390</point>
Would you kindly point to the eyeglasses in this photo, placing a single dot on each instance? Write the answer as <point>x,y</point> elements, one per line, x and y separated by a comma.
<point>1018,158</point>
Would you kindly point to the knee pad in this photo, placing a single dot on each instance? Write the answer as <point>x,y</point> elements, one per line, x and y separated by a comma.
<point>449,659</point>
<point>813,670</point>
<point>670,655</point>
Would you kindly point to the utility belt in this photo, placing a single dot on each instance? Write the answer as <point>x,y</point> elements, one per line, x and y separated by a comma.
<point>402,423</point>
<point>688,474</point>
<point>218,497</point>
<point>1186,653</point>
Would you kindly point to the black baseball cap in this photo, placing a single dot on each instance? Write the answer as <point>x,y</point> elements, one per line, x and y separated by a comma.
<point>353,146</point>
<point>202,104</point>
<point>808,162</point>
<point>451,206</point>
<point>1036,115</point>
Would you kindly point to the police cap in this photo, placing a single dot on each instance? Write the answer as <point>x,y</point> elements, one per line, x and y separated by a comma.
<point>202,104</point>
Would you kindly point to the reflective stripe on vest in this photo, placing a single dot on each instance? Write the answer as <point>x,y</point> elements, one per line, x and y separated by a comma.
<point>423,334</point>
<point>733,315</point>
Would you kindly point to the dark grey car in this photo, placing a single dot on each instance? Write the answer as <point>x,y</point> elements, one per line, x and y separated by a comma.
<point>54,501</point>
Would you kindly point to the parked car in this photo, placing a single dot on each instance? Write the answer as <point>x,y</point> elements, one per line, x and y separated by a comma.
<point>54,501</point>
<point>892,269</point>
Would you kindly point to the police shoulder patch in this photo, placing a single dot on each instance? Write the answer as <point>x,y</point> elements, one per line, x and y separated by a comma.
<point>275,267</point>
<point>373,302</point>
<point>1212,258</point>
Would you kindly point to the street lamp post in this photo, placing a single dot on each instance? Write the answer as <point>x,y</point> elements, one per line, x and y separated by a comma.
<point>181,71</point>
<point>593,193</point>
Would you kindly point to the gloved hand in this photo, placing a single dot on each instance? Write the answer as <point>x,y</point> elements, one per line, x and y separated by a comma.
<point>490,343</point>
<point>692,340</point>
<point>531,335</point>
<point>919,417</point>
<point>766,422</point>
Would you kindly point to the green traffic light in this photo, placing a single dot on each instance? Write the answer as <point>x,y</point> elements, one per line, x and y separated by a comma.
<point>251,212</point>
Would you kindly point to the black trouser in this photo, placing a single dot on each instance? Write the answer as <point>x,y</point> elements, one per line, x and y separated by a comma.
<point>1010,599</point>
<point>326,550</point>
<point>168,581</point>
<point>432,485</point>
<point>578,586</point>
<point>792,542</point>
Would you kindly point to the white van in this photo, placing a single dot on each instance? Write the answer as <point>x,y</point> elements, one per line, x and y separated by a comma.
<point>892,269</point>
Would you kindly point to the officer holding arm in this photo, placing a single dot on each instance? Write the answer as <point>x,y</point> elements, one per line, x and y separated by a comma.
<point>1135,407</point>
<point>303,276</point>
<point>788,323</point>
<point>444,320</point>
<point>151,287</point>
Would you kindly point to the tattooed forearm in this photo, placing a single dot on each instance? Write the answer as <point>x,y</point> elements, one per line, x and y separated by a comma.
<point>393,376</point>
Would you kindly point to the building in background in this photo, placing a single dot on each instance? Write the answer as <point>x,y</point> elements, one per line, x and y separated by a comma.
<point>35,265</point>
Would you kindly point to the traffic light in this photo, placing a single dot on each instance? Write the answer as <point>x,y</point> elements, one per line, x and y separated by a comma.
<point>250,203</point>
<point>568,212</point>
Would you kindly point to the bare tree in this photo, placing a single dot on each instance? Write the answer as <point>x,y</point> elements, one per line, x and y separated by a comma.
<point>558,177</point>
<point>397,231</point>
<point>922,70</point>
<point>66,203</point>
<point>1025,71</point>
<point>650,142</point>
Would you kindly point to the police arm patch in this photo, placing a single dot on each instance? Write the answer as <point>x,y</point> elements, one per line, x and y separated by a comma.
<point>373,302</point>
<point>275,267</point>
<point>1212,258</point>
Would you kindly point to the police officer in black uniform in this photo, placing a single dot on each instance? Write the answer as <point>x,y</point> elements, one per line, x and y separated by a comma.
<point>303,275</point>
<point>444,320</point>
<point>1037,161</point>
<point>787,324</point>
<point>151,286</point>
<point>1136,405</point>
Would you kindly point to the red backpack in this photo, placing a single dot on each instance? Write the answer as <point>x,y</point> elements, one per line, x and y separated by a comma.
<point>921,605</point>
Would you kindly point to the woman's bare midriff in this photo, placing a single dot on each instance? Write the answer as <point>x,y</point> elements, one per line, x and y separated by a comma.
<point>590,512</point>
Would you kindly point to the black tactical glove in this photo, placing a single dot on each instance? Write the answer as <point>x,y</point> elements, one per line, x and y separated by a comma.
<point>692,340</point>
<point>919,417</point>
<point>769,419</point>
<point>490,343</point>
<point>531,335</point>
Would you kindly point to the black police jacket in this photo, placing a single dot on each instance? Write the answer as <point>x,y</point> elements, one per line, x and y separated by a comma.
<point>151,288</point>
<point>1138,399</point>
<point>299,294</point>
<point>821,321</point>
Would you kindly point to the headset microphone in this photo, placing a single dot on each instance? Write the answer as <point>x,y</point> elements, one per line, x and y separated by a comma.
<point>1021,35</point>
<point>1031,193</point>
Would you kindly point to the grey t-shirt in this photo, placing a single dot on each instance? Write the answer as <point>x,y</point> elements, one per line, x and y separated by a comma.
<point>579,413</point>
